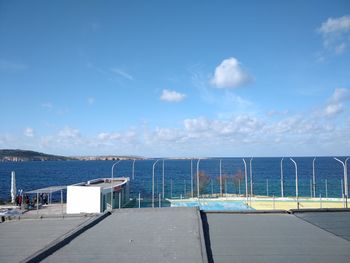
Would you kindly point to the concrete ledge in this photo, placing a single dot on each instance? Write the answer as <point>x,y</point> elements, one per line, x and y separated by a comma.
<point>64,240</point>
<point>202,238</point>
<point>246,212</point>
<point>294,211</point>
<point>43,216</point>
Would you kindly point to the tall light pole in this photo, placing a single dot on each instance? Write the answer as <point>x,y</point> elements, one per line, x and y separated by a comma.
<point>251,177</point>
<point>163,181</point>
<point>112,183</point>
<point>220,180</point>
<point>296,181</point>
<point>313,178</point>
<point>133,169</point>
<point>246,179</point>
<point>191,179</point>
<point>198,178</point>
<point>345,167</point>
<point>282,190</point>
<point>154,164</point>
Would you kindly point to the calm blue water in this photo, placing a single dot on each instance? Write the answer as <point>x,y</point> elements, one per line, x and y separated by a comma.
<point>33,175</point>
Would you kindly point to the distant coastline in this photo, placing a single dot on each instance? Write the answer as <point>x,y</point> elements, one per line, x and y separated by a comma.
<point>17,155</point>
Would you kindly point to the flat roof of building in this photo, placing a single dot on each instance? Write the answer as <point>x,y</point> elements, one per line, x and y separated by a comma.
<point>336,223</point>
<point>142,235</point>
<point>104,183</point>
<point>47,190</point>
<point>21,238</point>
<point>234,237</point>
<point>182,235</point>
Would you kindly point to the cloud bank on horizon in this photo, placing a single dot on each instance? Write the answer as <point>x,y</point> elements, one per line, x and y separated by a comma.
<point>150,94</point>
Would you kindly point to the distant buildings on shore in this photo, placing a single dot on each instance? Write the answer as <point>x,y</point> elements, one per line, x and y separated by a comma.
<point>24,156</point>
<point>106,158</point>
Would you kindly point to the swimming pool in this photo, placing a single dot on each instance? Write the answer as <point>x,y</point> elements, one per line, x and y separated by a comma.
<point>213,205</point>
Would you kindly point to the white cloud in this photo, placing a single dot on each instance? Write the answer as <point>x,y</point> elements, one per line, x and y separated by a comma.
<point>68,133</point>
<point>172,96</point>
<point>340,94</point>
<point>335,34</point>
<point>238,135</point>
<point>110,138</point>
<point>229,74</point>
<point>105,136</point>
<point>28,132</point>
<point>335,25</point>
<point>340,48</point>
<point>335,104</point>
<point>122,73</point>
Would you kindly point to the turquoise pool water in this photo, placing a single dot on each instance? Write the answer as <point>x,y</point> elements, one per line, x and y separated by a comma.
<point>214,205</point>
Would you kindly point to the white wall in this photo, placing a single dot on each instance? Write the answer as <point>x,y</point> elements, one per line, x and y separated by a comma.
<point>82,199</point>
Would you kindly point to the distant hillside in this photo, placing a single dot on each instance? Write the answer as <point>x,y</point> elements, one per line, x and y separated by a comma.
<point>7,155</point>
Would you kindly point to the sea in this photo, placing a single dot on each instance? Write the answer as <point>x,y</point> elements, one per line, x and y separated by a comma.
<point>180,179</point>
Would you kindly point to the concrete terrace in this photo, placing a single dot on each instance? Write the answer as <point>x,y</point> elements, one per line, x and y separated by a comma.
<point>139,235</point>
<point>20,239</point>
<point>269,237</point>
<point>180,235</point>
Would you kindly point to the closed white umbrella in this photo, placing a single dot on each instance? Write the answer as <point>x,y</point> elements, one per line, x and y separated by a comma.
<point>13,187</point>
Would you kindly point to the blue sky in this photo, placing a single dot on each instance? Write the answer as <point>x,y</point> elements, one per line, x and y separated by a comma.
<point>175,78</point>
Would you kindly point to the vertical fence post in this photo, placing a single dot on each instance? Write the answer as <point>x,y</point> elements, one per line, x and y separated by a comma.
<point>313,177</point>
<point>342,191</point>
<point>185,188</point>
<point>220,180</point>
<point>191,180</point>
<point>246,180</point>
<point>282,183</point>
<point>267,187</point>
<point>62,200</point>
<point>239,186</point>
<point>251,176</point>
<point>171,188</point>
<point>160,200</point>
<point>326,186</point>
<point>163,182</point>
<point>139,200</point>
<point>310,188</point>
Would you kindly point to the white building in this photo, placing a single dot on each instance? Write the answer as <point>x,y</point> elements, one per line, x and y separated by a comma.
<point>94,196</point>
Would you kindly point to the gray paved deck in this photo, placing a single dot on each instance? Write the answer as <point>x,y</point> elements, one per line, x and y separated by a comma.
<point>271,238</point>
<point>138,235</point>
<point>337,223</point>
<point>21,238</point>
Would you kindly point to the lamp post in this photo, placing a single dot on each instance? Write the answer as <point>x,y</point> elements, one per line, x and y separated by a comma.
<point>246,179</point>
<point>154,164</point>
<point>163,181</point>
<point>296,181</point>
<point>191,179</point>
<point>282,190</point>
<point>313,178</point>
<point>133,169</point>
<point>198,178</point>
<point>220,180</point>
<point>112,183</point>
<point>251,176</point>
<point>345,178</point>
